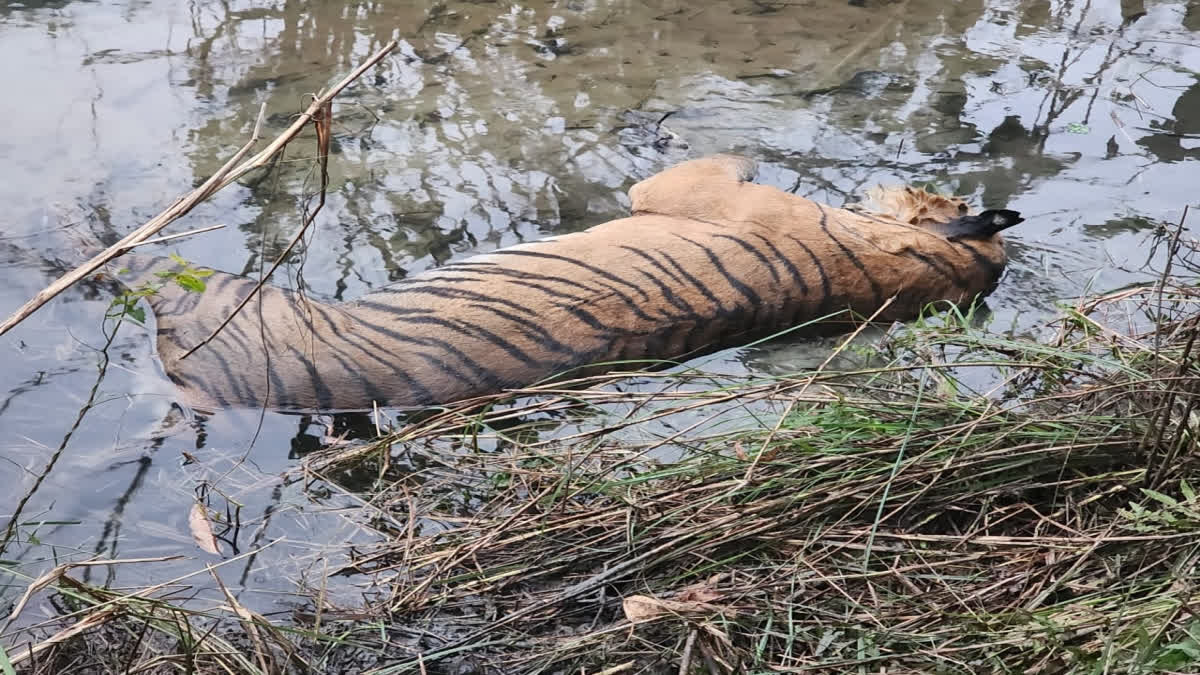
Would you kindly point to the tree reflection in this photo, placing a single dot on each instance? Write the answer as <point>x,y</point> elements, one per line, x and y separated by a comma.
<point>1177,138</point>
<point>498,123</point>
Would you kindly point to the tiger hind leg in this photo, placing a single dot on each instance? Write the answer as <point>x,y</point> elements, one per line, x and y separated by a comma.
<point>673,192</point>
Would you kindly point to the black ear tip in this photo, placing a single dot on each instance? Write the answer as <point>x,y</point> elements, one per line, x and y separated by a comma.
<point>1000,219</point>
<point>1013,217</point>
<point>983,225</point>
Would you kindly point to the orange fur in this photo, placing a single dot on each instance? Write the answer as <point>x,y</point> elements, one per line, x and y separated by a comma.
<point>912,205</point>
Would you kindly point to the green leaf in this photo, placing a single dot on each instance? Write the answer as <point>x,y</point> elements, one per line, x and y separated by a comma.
<point>6,666</point>
<point>1160,497</point>
<point>189,282</point>
<point>202,273</point>
<point>1077,128</point>
<point>136,313</point>
<point>122,271</point>
<point>177,258</point>
<point>1187,647</point>
<point>1189,495</point>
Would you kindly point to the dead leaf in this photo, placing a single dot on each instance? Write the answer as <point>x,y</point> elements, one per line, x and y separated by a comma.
<point>37,585</point>
<point>699,593</point>
<point>739,452</point>
<point>201,528</point>
<point>645,608</point>
<point>640,608</point>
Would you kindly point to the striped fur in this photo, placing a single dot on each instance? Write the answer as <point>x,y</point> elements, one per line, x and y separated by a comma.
<point>707,260</point>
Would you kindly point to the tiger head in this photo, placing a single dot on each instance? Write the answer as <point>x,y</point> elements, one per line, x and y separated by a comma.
<point>948,216</point>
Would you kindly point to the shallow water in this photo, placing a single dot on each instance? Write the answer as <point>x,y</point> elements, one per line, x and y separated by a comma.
<point>496,123</point>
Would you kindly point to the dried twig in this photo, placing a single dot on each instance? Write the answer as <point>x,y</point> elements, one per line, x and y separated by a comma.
<point>685,663</point>
<point>178,235</point>
<point>61,570</point>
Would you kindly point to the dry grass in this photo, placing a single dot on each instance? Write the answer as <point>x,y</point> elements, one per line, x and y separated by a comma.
<point>962,502</point>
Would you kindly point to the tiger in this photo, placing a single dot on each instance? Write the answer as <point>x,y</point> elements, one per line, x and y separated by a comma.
<point>707,259</point>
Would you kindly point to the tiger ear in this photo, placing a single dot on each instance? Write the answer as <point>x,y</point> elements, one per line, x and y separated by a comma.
<point>980,226</point>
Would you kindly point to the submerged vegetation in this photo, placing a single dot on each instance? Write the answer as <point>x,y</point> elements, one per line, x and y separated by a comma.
<point>958,501</point>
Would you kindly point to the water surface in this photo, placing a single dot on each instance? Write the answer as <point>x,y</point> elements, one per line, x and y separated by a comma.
<point>496,123</point>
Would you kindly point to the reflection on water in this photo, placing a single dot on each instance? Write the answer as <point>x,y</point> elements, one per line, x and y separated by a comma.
<point>495,123</point>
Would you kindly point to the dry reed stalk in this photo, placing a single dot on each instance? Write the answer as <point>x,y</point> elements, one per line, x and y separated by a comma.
<point>177,235</point>
<point>113,607</point>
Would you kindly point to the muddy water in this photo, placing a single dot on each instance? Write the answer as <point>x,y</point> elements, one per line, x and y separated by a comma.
<point>496,123</point>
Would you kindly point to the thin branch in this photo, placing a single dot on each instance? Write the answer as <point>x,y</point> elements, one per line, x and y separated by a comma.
<point>180,235</point>
<point>323,123</point>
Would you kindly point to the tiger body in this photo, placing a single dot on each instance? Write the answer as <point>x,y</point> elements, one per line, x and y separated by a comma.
<point>706,260</point>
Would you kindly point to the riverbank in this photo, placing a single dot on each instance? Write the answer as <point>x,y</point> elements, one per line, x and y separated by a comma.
<point>957,501</point>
